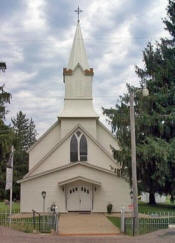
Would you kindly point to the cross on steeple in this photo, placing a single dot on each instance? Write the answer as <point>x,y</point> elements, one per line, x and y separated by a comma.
<point>78,11</point>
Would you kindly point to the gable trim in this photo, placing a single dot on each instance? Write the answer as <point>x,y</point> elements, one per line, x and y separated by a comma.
<point>107,130</point>
<point>51,152</point>
<point>85,164</point>
<point>79,178</point>
<point>43,136</point>
<point>78,126</point>
<point>99,145</point>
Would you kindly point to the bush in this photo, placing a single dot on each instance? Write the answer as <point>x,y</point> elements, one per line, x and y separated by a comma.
<point>109,208</point>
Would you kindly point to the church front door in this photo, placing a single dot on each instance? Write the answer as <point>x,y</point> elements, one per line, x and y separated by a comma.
<point>79,197</point>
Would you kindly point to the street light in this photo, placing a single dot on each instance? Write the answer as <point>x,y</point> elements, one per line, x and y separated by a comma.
<point>43,193</point>
<point>145,92</point>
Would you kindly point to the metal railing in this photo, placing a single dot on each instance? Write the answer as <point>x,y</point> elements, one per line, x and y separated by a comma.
<point>35,221</point>
<point>150,222</point>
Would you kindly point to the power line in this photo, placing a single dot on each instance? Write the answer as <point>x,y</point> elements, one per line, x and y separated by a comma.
<point>101,39</point>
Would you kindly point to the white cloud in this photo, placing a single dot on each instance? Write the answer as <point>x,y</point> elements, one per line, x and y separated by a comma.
<point>36,46</point>
<point>34,15</point>
<point>18,79</point>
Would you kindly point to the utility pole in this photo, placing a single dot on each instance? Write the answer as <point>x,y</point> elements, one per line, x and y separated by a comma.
<point>134,168</point>
<point>11,188</point>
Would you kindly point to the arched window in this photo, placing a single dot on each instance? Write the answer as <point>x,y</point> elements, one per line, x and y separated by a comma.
<point>73,149</point>
<point>83,148</point>
<point>78,147</point>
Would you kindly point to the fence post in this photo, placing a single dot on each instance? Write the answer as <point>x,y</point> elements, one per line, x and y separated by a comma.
<point>133,225</point>
<point>39,222</point>
<point>168,218</point>
<point>33,219</point>
<point>57,222</point>
<point>122,224</point>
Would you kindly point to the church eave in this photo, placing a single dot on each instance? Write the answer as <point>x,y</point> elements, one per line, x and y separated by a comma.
<point>43,136</point>
<point>79,178</point>
<point>60,168</point>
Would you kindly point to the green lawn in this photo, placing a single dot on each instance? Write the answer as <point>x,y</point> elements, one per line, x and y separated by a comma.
<point>4,208</point>
<point>158,208</point>
<point>159,218</point>
<point>147,225</point>
<point>115,221</point>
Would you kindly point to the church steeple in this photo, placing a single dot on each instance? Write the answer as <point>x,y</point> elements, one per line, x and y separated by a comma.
<point>78,82</point>
<point>78,52</point>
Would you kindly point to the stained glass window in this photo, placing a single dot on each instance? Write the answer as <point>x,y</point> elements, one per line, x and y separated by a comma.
<point>74,149</point>
<point>83,148</point>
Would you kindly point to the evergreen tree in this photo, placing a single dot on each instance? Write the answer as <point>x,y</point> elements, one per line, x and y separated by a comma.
<point>32,133</point>
<point>6,135</point>
<point>155,117</point>
<point>22,135</point>
<point>21,128</point>
<point>25,132</point>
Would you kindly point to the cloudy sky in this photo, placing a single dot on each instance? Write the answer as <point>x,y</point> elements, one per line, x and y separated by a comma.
<point>35,42</point>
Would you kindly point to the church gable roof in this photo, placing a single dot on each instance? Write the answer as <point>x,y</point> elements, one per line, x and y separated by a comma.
<point>107,130</point>
<point>43,136</point>
<point>70,165</point>
<point>69,134</point>
<point>79,178</point>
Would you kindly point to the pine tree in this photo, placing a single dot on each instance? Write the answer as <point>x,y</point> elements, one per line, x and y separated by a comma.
<point>155,117</point>
<point>6,134</point>
<point>21,128</point>
<point>32,133</point>
<point>25,132</point>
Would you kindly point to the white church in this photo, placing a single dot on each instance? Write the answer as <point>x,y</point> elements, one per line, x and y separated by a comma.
<point>72,161</point>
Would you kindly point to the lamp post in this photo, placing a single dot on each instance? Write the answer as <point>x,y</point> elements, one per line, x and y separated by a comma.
<point>43,193</point>
<point>145,92</point>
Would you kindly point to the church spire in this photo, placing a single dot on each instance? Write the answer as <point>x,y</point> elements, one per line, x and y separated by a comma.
<point>78,52</point>
<point>78,82</point>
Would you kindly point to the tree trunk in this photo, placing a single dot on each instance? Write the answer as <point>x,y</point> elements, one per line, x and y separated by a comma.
<point>152,200</point>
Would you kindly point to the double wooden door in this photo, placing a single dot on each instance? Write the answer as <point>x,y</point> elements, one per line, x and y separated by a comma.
<point>79,197</point>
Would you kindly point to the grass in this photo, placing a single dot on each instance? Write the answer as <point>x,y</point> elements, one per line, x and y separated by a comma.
<point>27,228</point>
<point>115,221</point>
<point>24,224</point>
<point>5,208</point>
<point>150,224</point>
<point>147,225</point>
<point>27,225</point>
<point>44,225</point>
<point>158,208</point>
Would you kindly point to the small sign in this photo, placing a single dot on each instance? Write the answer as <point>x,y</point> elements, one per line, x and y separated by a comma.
<point>130,206</point>
<point>9,176</point>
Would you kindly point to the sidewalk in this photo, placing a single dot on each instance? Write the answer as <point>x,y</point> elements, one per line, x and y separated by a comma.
<point>86,224</point>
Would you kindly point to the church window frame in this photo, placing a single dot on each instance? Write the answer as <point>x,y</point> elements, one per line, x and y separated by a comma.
<point>78,147</point>
<point>73,149</point>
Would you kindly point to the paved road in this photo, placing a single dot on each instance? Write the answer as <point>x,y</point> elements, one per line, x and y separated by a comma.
<point>11,236</point>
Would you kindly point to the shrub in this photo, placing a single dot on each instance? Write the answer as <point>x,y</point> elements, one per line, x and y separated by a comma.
<point>109,208</point>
